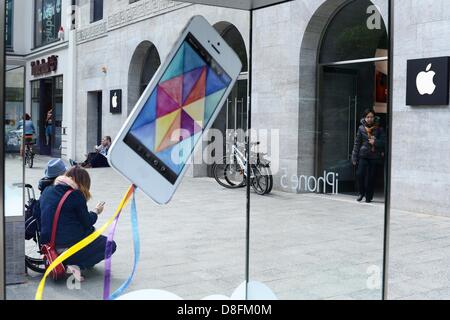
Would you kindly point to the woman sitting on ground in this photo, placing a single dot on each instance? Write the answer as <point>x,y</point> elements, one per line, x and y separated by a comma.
<point>75,222</point>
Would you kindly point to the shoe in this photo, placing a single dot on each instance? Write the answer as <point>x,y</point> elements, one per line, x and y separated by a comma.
<point>73,163</point>
<point>368,200</point>
<point>360,198</point>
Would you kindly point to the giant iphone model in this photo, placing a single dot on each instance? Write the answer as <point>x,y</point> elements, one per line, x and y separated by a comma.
<point>181,102</point>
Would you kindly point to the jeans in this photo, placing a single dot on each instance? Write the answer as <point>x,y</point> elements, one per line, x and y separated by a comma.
<point>366,177</point>
<point>96,160</point>
<point>91,255</point>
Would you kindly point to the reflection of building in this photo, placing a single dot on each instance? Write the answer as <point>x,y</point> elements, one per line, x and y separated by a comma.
<point>318,64</point>
<point>126,47</point>
<point>37,43</point>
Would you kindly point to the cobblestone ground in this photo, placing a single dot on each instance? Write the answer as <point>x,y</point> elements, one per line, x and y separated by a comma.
<point>301,246</point>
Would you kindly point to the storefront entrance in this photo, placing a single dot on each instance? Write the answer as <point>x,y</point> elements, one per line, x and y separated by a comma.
<point>352,78</point>
<point>47,114</point>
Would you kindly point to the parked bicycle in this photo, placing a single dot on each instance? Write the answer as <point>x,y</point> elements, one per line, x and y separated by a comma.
<point>232,172</point>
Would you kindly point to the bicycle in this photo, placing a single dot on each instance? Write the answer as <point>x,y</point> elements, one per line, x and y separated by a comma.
<point>29,153</point>
<point>233,170</point>
<point>34,260</point>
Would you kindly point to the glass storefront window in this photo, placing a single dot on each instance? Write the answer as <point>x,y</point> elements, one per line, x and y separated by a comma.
<point>58,115</point>
<point>14,111</point>
<point>14,108</point>
<point>47,21</point>
<point>35,114</point>
<point>310,237</point>
<point>353,34</point>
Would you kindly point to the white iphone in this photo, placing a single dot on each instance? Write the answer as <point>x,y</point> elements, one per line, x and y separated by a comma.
<point>180,103</point>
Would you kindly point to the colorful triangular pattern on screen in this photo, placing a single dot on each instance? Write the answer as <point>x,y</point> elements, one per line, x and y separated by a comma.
<point>174,116</point>
<point>176,156</point>
<point>164,125</point>
<point>148,113</point>
<point>146,134</point>
<point>176,67</point>
<point>191,59</point>
<point>188,126</point>
<point>189,81</point>
<point>172,135</point>
<point>198,91</point>
<point>174,88</point>
<point>214,83</point>
<point>165,104</point>
<point>196,111</point>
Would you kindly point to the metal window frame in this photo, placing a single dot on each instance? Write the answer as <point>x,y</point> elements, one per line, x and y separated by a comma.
<point>2,152</point>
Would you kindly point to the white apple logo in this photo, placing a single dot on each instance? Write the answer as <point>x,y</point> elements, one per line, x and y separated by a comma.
<point>114,100</point>
<point>425,83</point>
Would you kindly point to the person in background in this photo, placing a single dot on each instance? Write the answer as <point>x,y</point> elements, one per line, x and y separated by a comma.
<point>76,221</point>
<point>368,151</point>
<point>98,158</point>
<point>26,124</point>
<point>54,169</point>
<point>49,126</point>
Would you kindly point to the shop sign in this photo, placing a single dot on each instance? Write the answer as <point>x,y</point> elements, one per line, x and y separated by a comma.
<point>115,101</point>
<point>428,81</point>
<point>43,66</point>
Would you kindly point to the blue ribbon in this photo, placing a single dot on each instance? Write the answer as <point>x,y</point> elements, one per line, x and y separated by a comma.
<point>137,248</point>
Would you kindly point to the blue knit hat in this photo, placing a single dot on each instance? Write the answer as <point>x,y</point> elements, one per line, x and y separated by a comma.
<point>55,168</point>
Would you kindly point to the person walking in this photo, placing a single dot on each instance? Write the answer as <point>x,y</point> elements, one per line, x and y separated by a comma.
<point>367,153</point>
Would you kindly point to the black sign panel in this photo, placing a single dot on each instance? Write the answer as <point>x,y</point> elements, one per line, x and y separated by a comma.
<point>428,82</point>
<point>115,101</point>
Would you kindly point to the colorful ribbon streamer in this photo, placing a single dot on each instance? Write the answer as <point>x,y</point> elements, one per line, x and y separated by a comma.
<point>108,254</point>
<point>83,243</point>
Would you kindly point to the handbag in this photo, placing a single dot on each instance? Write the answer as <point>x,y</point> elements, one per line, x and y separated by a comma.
<point>49,250</point>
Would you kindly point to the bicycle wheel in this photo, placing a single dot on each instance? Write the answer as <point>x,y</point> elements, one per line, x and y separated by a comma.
<point>229,175</point>
<point>260,182</point>
<point>34,260</point>
<point>30,160</point>
<point>265,170</point>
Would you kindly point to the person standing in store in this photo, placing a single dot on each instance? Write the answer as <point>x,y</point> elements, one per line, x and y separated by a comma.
<point>49,127</point>
<point>368,151</point>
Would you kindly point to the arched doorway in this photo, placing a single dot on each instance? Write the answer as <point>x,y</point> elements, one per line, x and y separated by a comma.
<point>233,115</point>
<point>144,63</point>
<point>352,77</point>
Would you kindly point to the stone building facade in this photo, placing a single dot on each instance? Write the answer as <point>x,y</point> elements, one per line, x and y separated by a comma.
<point>297,82</point>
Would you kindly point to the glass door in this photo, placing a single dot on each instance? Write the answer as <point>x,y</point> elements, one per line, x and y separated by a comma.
<point>339,102</point>
<point>56,133</point>
<point>346,91</point>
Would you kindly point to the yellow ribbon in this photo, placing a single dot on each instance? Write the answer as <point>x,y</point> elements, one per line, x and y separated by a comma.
<point>82,244</point>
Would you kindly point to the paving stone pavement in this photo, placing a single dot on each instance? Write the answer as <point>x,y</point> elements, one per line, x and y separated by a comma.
<point>302,246</point>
